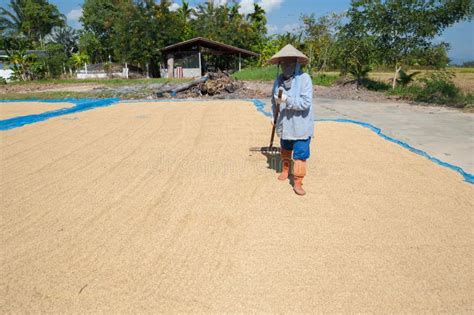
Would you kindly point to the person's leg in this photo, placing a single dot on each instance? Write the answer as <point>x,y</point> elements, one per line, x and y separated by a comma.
<point>285,155</point>
<point>300,154</point>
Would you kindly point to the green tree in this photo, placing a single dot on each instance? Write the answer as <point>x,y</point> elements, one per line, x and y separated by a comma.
<point>32,18</point>
<point>270,46</point>
<point>55,60</point>
<point>355,46</point>
<point>258,20</point>
<point>91,46</point>
<point>320,39</point>
<point>434,56</point>
<point>468,64</point>
<point>98,19</point>
<point>399,27</point>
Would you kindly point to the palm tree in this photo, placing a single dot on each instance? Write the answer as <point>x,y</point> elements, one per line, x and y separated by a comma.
<point>258,18</point>
<point>10,22</point>
<point>234,11</point>
<point>185,11</point>
<point>66,36</point>
<point>33,19</point>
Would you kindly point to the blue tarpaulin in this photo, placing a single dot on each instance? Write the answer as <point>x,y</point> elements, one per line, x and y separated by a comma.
<point>80,106</point>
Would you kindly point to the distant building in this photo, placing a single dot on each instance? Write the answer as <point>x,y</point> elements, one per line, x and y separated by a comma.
<point>194,57</point>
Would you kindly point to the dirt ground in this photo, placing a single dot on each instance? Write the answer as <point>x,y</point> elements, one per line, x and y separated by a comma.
<point>15,109</point>
<point>159,207</point>
<point>48,87</point>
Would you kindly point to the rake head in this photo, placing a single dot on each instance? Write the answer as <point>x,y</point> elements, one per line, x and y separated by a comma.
<point>266,150</point>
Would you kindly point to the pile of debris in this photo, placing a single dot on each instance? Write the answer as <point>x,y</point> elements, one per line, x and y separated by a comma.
<point>213,83</point>
<point>218,83</point>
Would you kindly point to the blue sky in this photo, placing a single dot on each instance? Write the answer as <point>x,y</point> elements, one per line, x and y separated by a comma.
<point>283,15</point>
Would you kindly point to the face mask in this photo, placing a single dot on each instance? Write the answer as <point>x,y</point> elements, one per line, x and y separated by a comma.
<point>288,69</point>
<point>288,75</point>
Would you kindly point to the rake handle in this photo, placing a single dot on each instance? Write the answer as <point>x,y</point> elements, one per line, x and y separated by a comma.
<point>275,119</point>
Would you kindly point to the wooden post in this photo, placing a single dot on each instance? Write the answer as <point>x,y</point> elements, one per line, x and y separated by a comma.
<point>200,65</point>
<point>170,66</point>
<point>240,61</point>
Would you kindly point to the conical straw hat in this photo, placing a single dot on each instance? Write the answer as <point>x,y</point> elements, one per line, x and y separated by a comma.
<point>289,52</point>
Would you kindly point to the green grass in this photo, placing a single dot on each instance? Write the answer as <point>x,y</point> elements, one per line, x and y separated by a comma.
<point>257,74</point>
<point>269,74</point>
<point>324,79</point>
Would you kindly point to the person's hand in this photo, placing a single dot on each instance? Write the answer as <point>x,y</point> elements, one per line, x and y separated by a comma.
<point>283,99</point>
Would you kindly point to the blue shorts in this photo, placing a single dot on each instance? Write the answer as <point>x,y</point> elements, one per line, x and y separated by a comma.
<point>300,148</point>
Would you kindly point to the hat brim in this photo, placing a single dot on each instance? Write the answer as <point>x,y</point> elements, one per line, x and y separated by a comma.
<point>299,59</point>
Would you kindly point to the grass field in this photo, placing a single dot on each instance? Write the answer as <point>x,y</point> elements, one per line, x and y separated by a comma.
<point>464,76</point>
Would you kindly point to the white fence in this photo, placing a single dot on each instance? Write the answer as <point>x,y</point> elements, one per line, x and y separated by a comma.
<point>98,75</point>
<point>187,73</point>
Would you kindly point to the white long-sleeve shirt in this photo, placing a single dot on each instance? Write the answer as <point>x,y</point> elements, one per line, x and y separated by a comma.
<point>296,120</point>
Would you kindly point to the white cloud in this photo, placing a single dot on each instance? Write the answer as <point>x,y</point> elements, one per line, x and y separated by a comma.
<point>73,17</point>
<point>74,14</point>
<point>220,2</point>
<point>174,6</point>
<point>290,27</point>
<point>269,5</point>
<point>272,29</point>
<point>246,7</point>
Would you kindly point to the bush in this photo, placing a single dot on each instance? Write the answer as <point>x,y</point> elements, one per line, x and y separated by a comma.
<point>38,70</point>
<point>407,92</point>
<point>436,88</point>
<point>439,88</point>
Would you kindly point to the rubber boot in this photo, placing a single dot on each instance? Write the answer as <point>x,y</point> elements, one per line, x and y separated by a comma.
<point>285,164</point>
<point>299,172</point>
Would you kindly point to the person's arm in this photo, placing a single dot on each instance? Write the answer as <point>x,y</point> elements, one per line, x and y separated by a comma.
<point>305,99</point>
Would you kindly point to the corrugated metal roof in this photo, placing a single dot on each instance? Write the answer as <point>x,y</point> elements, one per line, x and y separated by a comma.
<point>3,53</point>
<point>204,42</point>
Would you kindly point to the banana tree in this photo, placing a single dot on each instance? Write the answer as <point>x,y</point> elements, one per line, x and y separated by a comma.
<point>20,62</point>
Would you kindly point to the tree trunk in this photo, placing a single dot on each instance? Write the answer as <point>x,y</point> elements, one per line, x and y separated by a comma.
<point>397,70</point>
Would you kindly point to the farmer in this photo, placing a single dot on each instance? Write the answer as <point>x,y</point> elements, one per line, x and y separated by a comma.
<point>295,123</point>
